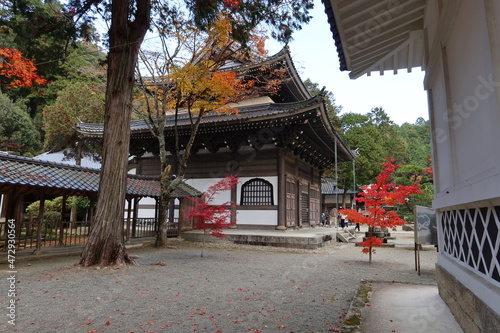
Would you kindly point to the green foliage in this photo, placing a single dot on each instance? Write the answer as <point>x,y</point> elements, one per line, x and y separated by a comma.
<point>407,175</point>
<point>77,101</point>
<point>281,18</point>
<point>376,137</point>
<point>55,205</point>
<point>47,33</point>
<point>331,108</point>
<point>417,137</point>
<point>52,216</point>
<point>17,132</point>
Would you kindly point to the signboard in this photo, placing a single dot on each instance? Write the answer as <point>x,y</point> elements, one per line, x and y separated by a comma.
<point>425,225</point>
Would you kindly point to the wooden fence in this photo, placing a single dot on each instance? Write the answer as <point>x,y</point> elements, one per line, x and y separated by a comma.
<point>65,233</point>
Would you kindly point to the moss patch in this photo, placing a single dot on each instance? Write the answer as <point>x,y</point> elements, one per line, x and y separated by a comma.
<point>352,323</point>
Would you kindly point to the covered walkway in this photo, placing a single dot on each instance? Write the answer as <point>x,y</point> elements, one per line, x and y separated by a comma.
<point>24,180</point>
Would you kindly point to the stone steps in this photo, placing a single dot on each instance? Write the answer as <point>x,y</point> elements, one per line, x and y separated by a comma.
<point>278,240</point>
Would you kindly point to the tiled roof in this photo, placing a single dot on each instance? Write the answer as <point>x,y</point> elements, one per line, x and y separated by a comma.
<point>310,114</point>
<point>64,158</point>
<point>330,187</point>
<point>59,179</point>
<point>253,112</point>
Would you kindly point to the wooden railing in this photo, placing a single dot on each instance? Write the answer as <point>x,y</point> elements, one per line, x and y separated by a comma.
<point>65,233</point>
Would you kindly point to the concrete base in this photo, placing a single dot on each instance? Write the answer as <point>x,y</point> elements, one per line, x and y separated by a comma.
<point>473,315</point>
<point>304,239</point>
<point>406,308</point>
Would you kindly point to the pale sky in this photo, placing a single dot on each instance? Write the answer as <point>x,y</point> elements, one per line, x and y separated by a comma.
<point>314,53</point>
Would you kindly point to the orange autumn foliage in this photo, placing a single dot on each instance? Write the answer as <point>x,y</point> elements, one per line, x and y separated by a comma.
<point>16,71</point>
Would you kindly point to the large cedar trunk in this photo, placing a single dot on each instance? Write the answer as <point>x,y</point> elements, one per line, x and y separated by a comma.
<point>105,243</point>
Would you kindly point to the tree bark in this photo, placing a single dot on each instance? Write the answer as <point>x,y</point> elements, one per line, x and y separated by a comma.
<point>105,245</point>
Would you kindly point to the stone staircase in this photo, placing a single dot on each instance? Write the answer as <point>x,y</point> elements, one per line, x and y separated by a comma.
<point>347,235</point>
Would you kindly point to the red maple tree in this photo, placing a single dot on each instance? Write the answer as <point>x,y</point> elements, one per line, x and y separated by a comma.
<point>16,71</point>
<point>212,219</point>
<point>377,198</point>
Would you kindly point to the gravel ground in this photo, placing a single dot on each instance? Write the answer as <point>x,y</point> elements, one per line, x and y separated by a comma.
<point>233,288</point>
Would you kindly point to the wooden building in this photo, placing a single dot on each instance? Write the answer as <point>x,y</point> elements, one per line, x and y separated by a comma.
<point>278,145</point>
<point>457,42</point>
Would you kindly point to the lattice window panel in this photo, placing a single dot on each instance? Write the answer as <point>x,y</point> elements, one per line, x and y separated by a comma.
<point>257,191</point>
<point>472,237</point>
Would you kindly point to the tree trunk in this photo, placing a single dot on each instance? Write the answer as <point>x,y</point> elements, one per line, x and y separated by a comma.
<point>161,236</point>
<point>105,243</point>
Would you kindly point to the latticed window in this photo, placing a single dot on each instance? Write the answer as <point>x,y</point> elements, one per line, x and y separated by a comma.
<point>257,191</point>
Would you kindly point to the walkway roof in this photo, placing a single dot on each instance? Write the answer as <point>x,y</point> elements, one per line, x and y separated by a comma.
<point>29,175</point>
<point>377,35</point>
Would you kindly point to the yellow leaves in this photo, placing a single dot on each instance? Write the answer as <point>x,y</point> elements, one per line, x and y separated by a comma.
<point>203,88</point>
<point>221,29</point>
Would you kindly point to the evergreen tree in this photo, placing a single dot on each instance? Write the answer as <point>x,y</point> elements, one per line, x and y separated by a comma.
<point>17,132</point>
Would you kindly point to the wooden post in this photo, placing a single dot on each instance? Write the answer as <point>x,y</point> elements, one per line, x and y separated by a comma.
<point>129,213</point>
<point>61,228</point>
<point>134,219</point>
<point>40,224</point>
<point>281,191</point>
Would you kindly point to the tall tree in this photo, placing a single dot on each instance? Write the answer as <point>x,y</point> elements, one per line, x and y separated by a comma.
<point>129,23</point>
<point>45,32</point>
<point>417,139</point>
<point>18,135</point>
<point>332,109</point>
<point>77,101</point>
<point>195,85</point>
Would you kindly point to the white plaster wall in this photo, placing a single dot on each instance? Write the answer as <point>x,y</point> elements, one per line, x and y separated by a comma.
<point>442,158</point>
<point>431,19</point>
<point>146,213</point>
<point>474,104</point>
<point>466,109</point>
<point>465,117</point>
<point>202,184</point>
<point>257,217</point>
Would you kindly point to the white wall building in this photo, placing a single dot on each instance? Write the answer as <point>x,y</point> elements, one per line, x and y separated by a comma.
<point>457,42</point>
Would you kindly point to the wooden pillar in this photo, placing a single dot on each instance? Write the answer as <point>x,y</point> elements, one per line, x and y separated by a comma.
<point>171,210</point>
<point>63,219</point>
<point>40,224</point>
<point>13,203</point>
<point>234,198</point>
<point>298,199</point>
<point>128,221</point>
<point>281,191</point>
<point>134,219</point>
<point>157,205</point>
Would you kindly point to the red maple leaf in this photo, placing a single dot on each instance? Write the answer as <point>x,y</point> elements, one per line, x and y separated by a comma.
<point>17,71</point>
<point>377,197</point>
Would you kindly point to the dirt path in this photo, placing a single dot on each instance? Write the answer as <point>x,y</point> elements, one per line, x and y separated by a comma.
<point>231,289</point>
